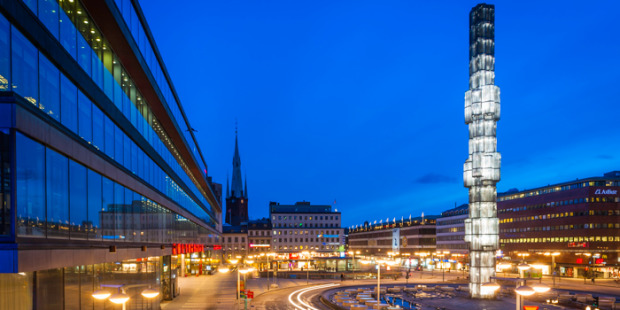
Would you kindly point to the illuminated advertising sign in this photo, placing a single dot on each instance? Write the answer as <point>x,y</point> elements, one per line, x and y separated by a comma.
<point>257,245</point>
<point>606,192</point>
<point>396,239</point>
<point>293,256</point>
<point>577,244</point>
<point>184,248</point>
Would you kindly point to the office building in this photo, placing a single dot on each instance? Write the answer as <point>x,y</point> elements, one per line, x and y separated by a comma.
<point>103,182</point>
<point>394,237</point>
<point>578,220</point>
<point>451,230</point>
<point>259,236</point>
<point>237,196</point>
<point>481,170</point>
<point>305,227</point>
<point>234,242</point>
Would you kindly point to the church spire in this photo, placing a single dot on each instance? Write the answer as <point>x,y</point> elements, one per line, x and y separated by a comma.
<point>245,188</point>
<point>237,183</point>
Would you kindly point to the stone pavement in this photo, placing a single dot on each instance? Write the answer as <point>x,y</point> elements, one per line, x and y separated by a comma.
<point>218,291</point>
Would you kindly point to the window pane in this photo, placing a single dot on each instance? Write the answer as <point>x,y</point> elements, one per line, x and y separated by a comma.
<point>25,72</point>
<point>118,145</point>
<point>109,137</point>
<point>97,70</point>
<point>126,153</point>
<point>94,205</point>
<point>5,54</point>
<point>49,91</point>
<point>30,187</point>
<point>85,117</point>
<point>48,14</point>
<point>107,210</point>
<point>98,128</point>
<point>68,34</point>
<point>119,210</point>
<point>49,289</point>
<point>77,201</point>
<point>32,4</point>
<point>68,103</point>
<point>129,216</point>
<point>84,54</point>
<point>5,187</point>
<point>57,184</point>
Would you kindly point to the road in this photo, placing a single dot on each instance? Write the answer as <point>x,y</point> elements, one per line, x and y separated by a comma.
<point>218,291</point>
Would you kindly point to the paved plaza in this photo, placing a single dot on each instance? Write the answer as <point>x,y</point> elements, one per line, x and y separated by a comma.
<point>218,291</point>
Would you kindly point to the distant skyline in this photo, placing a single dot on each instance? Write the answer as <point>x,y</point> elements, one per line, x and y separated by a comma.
<point>362,101</point>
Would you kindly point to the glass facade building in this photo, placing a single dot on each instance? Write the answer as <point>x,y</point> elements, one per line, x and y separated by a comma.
<point>100,170</point>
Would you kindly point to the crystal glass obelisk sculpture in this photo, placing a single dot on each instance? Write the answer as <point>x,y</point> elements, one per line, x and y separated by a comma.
<point>481,169</point>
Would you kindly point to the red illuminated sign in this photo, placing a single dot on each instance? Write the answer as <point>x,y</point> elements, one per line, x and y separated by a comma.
<point>217,247</point>
<point>577,244</point>
<point>530,307</point>
<point>599,261</point>
<point>184,248</point>
<point>293,256</point>
<point>580,261</point>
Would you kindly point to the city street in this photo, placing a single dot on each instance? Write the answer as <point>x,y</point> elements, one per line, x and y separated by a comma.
<point>218,291</point>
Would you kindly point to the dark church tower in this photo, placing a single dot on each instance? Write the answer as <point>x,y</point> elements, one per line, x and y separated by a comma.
<point>236,195</point>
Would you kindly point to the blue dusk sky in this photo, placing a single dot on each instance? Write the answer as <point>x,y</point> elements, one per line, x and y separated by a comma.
<point>362,101</point>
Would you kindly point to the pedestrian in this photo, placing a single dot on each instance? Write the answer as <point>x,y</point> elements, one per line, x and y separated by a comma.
<point>592,279</point>
<point>341,277</point>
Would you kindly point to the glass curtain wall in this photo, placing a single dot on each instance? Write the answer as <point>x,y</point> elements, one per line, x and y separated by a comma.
<point>60,198</point>
<point>26,60</point>
<point>62,100</point>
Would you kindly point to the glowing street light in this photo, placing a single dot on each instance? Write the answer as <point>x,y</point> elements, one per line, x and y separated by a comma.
<point>119,298</point>
<point>101,294</point>
<point>379,263</point>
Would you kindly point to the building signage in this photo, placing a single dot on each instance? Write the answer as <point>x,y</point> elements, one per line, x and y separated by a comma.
<point>184,248</point>
<point>252,245</point>
<point>605,192</point>
<point>293,256</point>
<point>396,239</point>
<point>217,247</point>
<point>577,244</point>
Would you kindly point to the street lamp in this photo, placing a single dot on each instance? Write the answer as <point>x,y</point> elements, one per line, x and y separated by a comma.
<point>242,271</point>
<point>521,290</point>
<point>443,272</point>
<point>553,255</point>
<point>307,255</point>
<point>379,263</point>
<point>121,298</point>
<point>268,267</point>
<point>422,256</point>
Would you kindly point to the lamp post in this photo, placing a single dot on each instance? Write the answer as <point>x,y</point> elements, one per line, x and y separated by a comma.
<point>121,298</point>
<point>443,272</point>
<point>521,290</point>
<point>523,266</point>
<point>422,256</point>
<point>307,256</point>
<point>553,255</point>
<point>378,266</point>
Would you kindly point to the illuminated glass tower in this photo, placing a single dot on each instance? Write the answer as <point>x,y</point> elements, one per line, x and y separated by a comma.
<point>481,169</point>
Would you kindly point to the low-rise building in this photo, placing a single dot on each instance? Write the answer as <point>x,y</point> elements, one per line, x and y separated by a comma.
<point>235,242</point>
<point>305,227</point>
<point>451,230</point>
<point>259,236</point>
<point>406,237</point>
